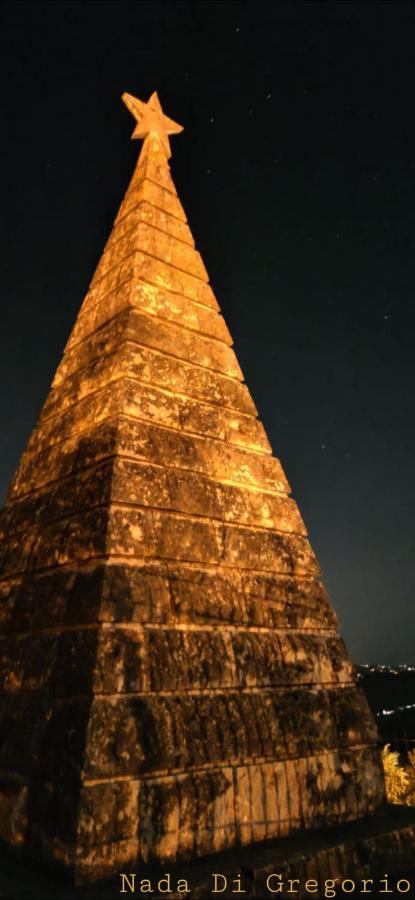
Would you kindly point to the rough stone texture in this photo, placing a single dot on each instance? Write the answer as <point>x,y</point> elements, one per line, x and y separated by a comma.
<point>356,850</point>
<point>173,682</point>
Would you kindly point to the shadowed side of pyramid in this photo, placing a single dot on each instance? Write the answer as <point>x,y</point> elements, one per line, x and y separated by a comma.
<point>173,679</point>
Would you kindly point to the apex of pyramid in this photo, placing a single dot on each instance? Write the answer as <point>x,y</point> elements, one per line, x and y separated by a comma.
<point>151,120</point>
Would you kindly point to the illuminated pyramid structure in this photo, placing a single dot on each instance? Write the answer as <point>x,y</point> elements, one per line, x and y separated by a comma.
<point>173,678</point>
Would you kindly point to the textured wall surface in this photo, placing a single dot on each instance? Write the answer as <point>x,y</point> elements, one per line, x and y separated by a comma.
<point>173,681</point>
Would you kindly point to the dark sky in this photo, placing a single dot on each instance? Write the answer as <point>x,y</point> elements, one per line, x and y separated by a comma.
<point>297,173</point>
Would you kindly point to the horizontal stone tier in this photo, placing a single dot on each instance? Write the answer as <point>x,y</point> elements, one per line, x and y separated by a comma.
<point>143,267</point>
<point>158,334</point>
<point>161,200</point>
<point>125,531</point>
<point>154,169</point>
<point>151,300</point>
<point>146,209</point>
<point>94,737</point>
<point>121,480</point>
<point>154,367</point>
<point>131,397</point>
<point>156,243</point>
<point>140,659</point>
<point>122,823</point>
<point>71,455</point>
<point>160,445</point>
<point>165,593</point>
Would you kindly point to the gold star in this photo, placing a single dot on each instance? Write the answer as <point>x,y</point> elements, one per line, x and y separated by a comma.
<point>151,120</point>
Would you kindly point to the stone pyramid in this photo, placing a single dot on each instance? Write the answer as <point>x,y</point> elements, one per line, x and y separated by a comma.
<point>173,681</point>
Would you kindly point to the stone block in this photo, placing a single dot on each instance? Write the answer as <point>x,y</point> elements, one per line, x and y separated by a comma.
<point>154,332</point>
<point>141,210</point>
<point>158,244</point>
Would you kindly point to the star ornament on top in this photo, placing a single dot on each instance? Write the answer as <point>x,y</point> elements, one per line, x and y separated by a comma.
<point>151,120</point>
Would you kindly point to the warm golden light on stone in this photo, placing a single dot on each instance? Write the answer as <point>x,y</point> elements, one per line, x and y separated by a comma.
<point>151,120</point>
<point>174,682</point>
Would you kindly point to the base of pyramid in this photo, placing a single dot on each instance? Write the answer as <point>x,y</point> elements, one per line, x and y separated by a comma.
<point>372,856</point>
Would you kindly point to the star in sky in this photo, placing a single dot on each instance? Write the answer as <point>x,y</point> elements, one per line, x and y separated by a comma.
<point>151,120</point>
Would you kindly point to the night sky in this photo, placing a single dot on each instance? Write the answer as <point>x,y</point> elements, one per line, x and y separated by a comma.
<point>297,172</point>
